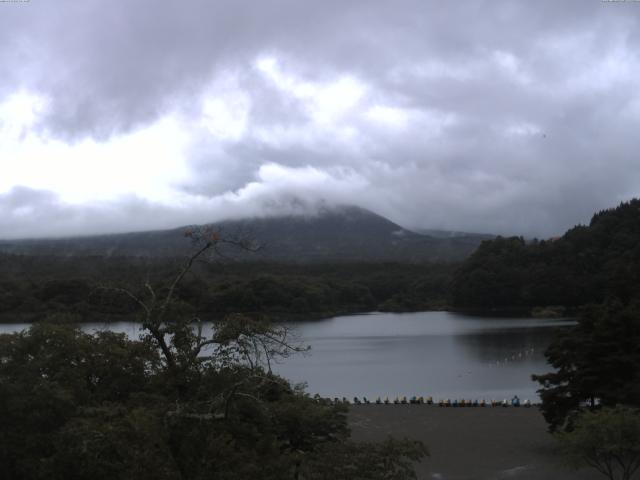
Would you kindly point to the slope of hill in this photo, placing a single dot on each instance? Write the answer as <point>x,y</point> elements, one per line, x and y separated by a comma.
<point>342,233</point>
<point>586,265</point>
<point>453,234</point>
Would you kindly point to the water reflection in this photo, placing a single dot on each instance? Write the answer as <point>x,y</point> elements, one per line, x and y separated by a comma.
<point>428,353</point>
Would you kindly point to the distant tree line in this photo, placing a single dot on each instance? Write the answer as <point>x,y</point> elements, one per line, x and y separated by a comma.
<point>34,287</point>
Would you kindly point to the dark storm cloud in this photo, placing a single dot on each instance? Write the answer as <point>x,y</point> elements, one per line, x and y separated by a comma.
<point>494,116</point>
<point>111,65</point>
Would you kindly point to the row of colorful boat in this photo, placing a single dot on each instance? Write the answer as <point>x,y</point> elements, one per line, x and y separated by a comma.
<point>514,402</point>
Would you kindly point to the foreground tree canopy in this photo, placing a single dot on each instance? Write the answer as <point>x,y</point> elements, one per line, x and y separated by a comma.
<point>607,440</point>
<point>180,403</point>
<point>100,406</point>
<point>597,363</point>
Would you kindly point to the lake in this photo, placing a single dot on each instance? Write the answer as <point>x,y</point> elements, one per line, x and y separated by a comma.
<point>443,354</point>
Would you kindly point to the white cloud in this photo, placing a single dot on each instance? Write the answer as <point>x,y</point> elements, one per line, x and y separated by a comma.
<point>308,184</point>
<point>20,111</point>
<point>325,101</point>
<point>148,162</point>
<point>511,65</point>
<point>225,109</point>
<point>523,129</point>
<point>387,115</point>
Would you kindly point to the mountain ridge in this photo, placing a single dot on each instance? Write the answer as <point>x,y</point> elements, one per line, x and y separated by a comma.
<point>332,234</point>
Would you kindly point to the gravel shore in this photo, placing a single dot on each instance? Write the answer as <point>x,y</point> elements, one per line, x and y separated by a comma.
<point>470,443</point>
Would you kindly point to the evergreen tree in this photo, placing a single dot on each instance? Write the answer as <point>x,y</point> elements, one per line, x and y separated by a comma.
<point>597,362</point>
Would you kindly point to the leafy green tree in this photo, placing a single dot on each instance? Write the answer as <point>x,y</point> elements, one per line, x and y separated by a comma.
<point>607,440</point>
<point>49,375</point>
<point>597,362</point>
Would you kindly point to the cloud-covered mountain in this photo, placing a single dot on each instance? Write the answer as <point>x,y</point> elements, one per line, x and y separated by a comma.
<point>344,233</point>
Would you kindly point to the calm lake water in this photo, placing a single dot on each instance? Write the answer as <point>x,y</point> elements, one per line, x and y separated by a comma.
<point>442,354</point>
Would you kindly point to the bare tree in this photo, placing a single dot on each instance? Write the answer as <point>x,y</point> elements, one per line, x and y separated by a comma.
<point>183,341</point>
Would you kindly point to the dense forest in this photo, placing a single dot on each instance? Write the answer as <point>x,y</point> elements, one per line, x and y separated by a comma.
<point>588,264</point>
<point>80,287</point>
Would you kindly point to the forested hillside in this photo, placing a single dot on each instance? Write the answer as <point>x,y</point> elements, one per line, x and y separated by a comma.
<point>586,265</point>
<point>81,287</point>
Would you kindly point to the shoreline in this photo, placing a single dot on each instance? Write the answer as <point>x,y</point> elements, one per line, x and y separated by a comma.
<point>290,317</point>
<point>470,443</point>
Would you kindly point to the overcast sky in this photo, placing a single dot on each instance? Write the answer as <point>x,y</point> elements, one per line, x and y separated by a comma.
<point>511,117</point>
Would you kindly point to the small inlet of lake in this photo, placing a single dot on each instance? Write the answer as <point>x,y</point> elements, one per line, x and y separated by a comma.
<point>442,354</point>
